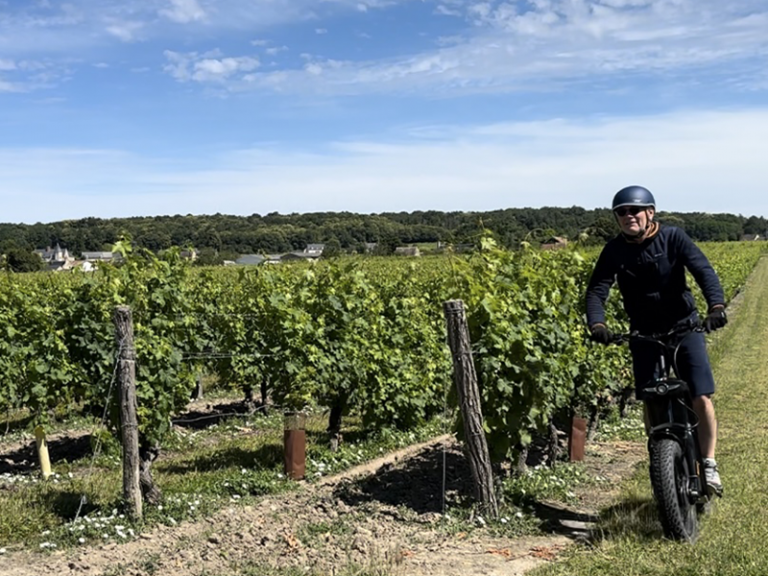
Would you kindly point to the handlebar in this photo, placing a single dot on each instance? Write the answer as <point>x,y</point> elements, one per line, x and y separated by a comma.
<point>659,338</point>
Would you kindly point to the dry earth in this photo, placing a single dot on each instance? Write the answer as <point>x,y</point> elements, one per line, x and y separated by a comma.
<point>383,514</point>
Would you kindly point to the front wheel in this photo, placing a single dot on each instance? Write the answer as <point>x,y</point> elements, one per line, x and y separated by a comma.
<point>669,477</point>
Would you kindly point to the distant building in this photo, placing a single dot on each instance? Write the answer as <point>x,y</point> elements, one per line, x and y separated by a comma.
<point>310,256</point>
<point>56,258</point>
<point>249,260</point>
<point>412,251</point>
<point>554,243</point>
<point>100,256</point>
<point>57,253</point>
<point>461,248</point>
<point>314,249</point>
<point>190,254</point>
<point>83,266</point>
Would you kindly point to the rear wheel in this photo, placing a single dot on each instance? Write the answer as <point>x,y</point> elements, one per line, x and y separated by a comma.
<point>669,476</point>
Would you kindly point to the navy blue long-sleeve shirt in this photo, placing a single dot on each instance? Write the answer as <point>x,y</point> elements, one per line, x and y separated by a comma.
<point>651,279</point>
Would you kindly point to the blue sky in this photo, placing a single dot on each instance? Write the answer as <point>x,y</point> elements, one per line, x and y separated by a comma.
<point>145,107</point>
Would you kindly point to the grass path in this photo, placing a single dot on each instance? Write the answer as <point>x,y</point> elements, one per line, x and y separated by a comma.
<point>734,538</point>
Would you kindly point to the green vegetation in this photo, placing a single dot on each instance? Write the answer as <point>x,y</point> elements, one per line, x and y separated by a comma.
<point>364,338</point>
<point>220,237</point>
<point>359,337</point>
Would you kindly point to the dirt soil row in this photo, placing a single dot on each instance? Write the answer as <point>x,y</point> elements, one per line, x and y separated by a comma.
<point>386,513</point>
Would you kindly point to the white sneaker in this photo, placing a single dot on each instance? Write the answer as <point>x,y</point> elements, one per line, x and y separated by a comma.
<point>712,476</point>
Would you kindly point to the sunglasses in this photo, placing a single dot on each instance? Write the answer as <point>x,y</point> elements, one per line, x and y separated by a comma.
<point>624,210</point>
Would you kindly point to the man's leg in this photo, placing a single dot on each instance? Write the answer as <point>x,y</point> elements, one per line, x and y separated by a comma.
<point>705,411</point>
<point>694,364</point>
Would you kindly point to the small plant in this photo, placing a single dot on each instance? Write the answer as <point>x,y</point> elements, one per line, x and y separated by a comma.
<point>614,427</point>
<point>545,483</point>
<point>323,462</point>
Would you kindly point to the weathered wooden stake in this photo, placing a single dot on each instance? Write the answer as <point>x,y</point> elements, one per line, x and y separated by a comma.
<point>129,425</point>
<point>197,394</point>
<point>465,378</point>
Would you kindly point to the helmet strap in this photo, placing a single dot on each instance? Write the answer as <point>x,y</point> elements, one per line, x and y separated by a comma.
<point>640,233</point>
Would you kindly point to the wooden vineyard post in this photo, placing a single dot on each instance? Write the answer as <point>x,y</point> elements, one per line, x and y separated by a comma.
<point>129,426</point>
<point>197,394</point>
<point>465,378</point>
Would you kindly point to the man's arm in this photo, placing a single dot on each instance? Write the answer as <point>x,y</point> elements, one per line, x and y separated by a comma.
<point>603,277</point>
<point>702,271</point>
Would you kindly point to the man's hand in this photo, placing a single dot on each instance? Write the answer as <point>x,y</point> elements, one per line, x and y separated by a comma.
<point>716,318</point>
<point>601,334</point>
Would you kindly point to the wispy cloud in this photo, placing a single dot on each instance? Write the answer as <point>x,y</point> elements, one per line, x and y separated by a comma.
<point>503,46</point>
<point>124,30</point>
<point>693,161</point>
<point>552,41</point>
<point>208,67</point>
<point>275,50</point>
<point>444,10</point>
<point>184,11</point>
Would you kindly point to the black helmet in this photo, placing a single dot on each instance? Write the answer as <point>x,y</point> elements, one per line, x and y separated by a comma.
<point>633,196</point>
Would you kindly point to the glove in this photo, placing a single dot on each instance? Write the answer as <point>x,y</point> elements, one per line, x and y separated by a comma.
<point>601,334</point>
<point>715,319</point>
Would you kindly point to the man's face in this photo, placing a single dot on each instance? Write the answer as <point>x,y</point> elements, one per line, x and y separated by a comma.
<point>633,219</point>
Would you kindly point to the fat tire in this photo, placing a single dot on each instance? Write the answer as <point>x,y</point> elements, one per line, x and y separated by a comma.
<point>669,478</point>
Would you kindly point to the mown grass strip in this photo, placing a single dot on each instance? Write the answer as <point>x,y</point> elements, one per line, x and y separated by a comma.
<point>734,538</point>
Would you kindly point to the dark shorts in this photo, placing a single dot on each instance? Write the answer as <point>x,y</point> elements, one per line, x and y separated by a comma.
<point>692,361</point>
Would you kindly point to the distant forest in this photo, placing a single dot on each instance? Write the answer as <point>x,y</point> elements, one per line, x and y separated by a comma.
<point>344,231</point>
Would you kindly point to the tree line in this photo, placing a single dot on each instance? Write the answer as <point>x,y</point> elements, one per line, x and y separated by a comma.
<point>221,236</point>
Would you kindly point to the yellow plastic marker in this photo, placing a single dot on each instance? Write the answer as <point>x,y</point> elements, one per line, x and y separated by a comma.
<point>42,452</point>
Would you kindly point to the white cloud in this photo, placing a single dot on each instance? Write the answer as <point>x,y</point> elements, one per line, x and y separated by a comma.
<point>184,11</point>
<point>29,75</point>
<point>444,10</point>
<point>126,31</point>
<point>275,50</point>
<point>208,67</point>
<point>217,69</point>
<point>692,161</point>
<point>8,87</point>
<point>321,31</point>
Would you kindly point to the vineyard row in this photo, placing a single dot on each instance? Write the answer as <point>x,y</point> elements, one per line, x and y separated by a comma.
<point>349,335</point>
